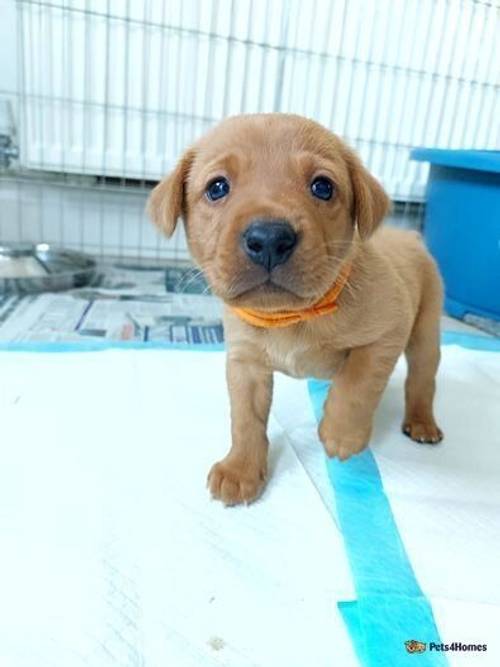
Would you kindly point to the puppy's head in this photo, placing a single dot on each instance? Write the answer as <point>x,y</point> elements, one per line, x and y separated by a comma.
<point>271,205</point>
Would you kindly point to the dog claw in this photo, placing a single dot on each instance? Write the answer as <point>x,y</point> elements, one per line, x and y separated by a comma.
<point>427,433</point>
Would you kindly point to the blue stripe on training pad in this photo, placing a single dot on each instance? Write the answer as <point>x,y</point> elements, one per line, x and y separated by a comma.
<point>470,341</point>
<point>447,338</point>
<point>101,345</point>
<point>390,607</point>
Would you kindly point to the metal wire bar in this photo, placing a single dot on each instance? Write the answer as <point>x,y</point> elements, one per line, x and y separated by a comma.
<point>126,64</point>
<point>87,73</point>
<point>105,128</point>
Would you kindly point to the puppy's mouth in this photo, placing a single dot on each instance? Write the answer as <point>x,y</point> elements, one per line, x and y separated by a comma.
<point>267,294</point>
<point>268,287</point>
<point>290,286</point>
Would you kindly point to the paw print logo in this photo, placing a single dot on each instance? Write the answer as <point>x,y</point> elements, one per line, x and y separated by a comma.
<point>413,646</point>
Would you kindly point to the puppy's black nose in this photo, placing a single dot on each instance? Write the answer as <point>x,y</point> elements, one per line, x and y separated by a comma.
<point>269,242</point>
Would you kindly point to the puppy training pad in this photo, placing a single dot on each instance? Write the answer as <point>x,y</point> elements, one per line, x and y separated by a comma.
<point>112,552</point>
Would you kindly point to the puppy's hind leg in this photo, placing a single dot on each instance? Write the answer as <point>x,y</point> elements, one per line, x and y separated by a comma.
<point>422,355</point>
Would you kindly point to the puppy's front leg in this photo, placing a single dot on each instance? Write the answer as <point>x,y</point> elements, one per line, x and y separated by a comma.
<point>241,475</point>
<point>353,397</point>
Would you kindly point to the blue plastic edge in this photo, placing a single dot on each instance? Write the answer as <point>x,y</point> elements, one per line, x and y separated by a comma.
<point>390,607</point>
<point>487,161</point>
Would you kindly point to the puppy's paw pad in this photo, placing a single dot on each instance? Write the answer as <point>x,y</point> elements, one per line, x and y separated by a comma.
<point>234,484</point>
<point>343,443</point>
<point>343,449</point>
<point>423,432</point>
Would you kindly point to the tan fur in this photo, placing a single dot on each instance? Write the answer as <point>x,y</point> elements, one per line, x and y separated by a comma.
<point>392,302</point>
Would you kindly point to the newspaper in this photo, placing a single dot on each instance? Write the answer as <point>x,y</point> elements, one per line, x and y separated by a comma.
<point>126,302</point>
<point>129,302</point>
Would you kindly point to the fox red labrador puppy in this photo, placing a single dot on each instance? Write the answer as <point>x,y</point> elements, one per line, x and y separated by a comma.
<point>283,219</point>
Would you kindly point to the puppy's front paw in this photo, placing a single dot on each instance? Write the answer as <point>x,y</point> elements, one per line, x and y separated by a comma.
<point>234,482</point>
<point>423,431</point>
<point>343,444</point>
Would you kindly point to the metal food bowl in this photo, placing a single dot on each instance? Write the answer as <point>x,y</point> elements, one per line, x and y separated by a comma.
<point>40,267</point>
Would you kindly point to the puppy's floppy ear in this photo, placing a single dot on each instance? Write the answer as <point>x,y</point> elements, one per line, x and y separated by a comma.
<point>166,203</point>
<point>371,203</point>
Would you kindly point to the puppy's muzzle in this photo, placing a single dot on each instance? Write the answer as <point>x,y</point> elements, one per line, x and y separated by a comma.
<point>269,242</point>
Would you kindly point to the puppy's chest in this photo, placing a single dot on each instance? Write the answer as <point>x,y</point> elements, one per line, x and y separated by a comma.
<point>301,359</point>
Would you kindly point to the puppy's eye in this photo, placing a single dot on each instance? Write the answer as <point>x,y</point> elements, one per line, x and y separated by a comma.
<point>322,188</point>
<point>217,188</point>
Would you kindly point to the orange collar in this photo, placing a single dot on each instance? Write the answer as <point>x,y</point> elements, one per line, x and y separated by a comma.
<point>284,318</point>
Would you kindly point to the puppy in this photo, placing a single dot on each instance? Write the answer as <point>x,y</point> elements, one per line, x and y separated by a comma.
<point>282,218</point>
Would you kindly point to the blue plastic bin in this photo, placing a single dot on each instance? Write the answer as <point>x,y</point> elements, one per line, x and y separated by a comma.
<point>462,227</point>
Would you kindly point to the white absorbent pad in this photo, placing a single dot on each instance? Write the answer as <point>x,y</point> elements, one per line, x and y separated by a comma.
<point>112,553</point>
